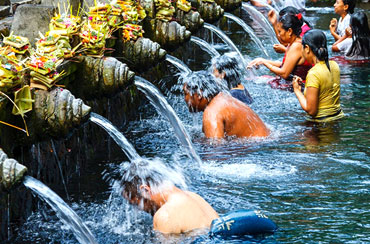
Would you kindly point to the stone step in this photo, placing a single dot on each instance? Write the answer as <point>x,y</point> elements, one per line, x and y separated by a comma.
<point>4,11</point>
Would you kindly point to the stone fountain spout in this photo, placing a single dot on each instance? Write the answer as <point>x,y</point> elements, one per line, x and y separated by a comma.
<point>11,172</point>
<point>58,111</point>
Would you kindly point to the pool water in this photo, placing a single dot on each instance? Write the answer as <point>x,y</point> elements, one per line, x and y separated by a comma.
<point>313,181</point>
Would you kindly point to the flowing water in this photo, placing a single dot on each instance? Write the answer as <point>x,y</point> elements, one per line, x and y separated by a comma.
<point>311,180</point>
<point>63,211</point>
<point>162,106</point>
<point>178,64</point>
<point>117,136</point>
<point>249,31</point>
<point>225,38</point>
<point>262,20</point>
<point>205,46</point>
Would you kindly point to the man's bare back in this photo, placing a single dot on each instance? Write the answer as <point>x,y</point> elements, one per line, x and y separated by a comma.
<point>183,211</point>
<point>226,115</point>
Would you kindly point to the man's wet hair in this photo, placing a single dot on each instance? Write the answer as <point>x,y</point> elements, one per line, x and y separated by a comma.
<point>153,173</point>
<point>203,83</point>
<point>230,66</point>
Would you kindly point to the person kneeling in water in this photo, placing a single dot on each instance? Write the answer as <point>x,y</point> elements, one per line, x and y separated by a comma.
<point>321,97</point>
<point>223,114</point>
<point>174,210</point>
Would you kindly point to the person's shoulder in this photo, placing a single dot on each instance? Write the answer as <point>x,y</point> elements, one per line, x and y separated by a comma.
<point>333,65</point>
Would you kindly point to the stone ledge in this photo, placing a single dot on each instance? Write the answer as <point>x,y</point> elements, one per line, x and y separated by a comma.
<point>4,11</point>
<point>40,16</point>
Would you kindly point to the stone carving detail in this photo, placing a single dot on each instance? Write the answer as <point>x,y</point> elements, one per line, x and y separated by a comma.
<point>191,20</point>
<point>229,5</point>
<point>59,111</point>
<point>209,11</point>
<point>142,53</point>
<point>168,34</point>
<point>102,76</point>
<point>11,172</point>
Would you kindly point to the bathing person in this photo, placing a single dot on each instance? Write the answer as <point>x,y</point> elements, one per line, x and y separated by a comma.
<point>343,8</point>
<point>226,68</point>
<point>281,48</point>
<point>355,44</point>
<point>174,210</point>
<point>322,90</point>
<point>289,30</point>
<point>223,115</point>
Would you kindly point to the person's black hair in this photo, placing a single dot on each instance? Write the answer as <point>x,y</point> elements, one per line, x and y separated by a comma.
<point>351,5</point>
<point>316,40</point>
<point>202,83</point>
<point>293,10</point>
<point>292,21</point>
<point>360,36</point>
<point>229,66</point>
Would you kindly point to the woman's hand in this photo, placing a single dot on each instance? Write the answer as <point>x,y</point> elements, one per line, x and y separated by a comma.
<point>272,17</point>
<point>297,83</point>
<point>333,25</point>
<point>348,32</point>
<point>279,48</point>
<point>256,63</point>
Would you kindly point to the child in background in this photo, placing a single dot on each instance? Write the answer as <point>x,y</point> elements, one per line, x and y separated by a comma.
<point>344,8</point>
<point>360,48</point>
<point>355,44</point>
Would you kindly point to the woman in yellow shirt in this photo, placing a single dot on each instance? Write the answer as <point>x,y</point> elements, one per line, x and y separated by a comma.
<point>322,90</point>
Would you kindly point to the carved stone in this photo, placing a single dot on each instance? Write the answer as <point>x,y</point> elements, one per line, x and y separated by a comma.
<point>11,172</point>
<point>168,34</point>
<point>210,12</point>
<point>142,54</point>
<point>103,76</point>
<point>191,20</point>
<point>229,5</point>
<point>58,111</point>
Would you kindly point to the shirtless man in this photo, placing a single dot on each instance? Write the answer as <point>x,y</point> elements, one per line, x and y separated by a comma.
<point>223,114</point>
<point>174,211</point>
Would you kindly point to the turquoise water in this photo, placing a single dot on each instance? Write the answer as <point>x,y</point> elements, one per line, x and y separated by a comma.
<point>313,181</point>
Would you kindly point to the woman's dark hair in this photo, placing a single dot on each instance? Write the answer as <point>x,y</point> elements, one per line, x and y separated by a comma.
<point>351,5</point>
<point>360,36</point>
<point>293,10</point>
<point>229,66</point>
<point>292,21</point>
<point>316,40</point>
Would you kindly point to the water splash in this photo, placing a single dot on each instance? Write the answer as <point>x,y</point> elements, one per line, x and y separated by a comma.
<point>163,107</point>
<point>205,46</point>
<point>117,136</point>
<point>261,19</point>
<point>63,211</point>
<point>178,64</point>
<point>225,38</point>
<point>248,30</point>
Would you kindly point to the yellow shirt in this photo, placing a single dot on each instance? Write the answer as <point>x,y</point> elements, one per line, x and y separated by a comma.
<point>328,83</point>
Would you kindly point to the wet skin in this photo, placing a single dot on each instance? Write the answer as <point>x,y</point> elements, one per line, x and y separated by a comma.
<point>226,116</point>
<point>175,211</point>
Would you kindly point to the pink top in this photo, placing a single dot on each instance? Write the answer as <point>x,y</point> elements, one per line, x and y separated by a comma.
<point>304,28</point>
